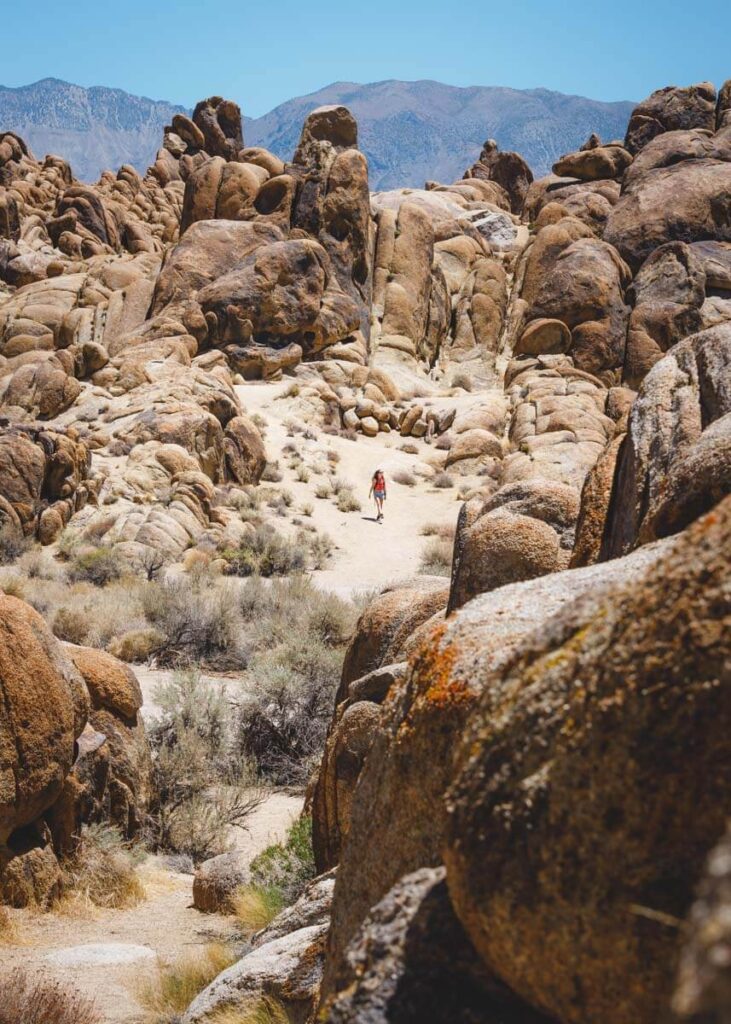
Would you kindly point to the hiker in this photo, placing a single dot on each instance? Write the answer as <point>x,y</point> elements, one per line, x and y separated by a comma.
<point>378,490</point>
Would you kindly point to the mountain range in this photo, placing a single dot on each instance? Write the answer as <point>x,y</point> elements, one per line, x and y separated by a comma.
<point>410,131</point>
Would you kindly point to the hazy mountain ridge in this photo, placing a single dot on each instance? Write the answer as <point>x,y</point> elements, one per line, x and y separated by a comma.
<point>410,131</point>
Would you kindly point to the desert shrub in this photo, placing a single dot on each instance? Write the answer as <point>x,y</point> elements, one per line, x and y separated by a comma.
<point>203,783</point>
<point>298,636</point>
<point>173,988</point>
<point>443,480</point>
<point>462,380</point>
<point>68,543</point>
<point>71,625</point>
<point>39,564</point>
<point>404,477</point>
<point>321,549</point>
<point>436,559</point>
<point>288,866</point>
<point>444,442</point>
<point>103,869</point>
<point>136,646</point>
<point>12,544</point>
<point>307,508</point>
<point>347,501</point>
<point>264,1009</point>
<point>266,553</point>
<point>303,473</point>
<point>38,999</point>
<point>272,474</point>
<point>98,566</point>
<point>409,448</point>
<point>199,620</point>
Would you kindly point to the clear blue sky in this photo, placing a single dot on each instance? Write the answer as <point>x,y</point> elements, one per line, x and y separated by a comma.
<point>263,53</point>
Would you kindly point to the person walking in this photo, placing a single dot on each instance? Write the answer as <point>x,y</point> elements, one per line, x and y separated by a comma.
<point>378,490</point>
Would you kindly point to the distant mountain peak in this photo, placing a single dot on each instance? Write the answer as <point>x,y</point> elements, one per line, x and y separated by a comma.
<point>410,130</point>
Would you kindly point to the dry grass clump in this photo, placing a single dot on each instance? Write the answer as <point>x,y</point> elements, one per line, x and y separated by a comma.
<point>8,928</point>
<point>264,1010</point>
<point>174,987</point>
<point>436,559</point>
<point>404,477</point>
<point>25,999</point>
<point>103,870</point>
<point>136,646</point>
<point>347,501</point>
<point>444,530</point>
<point>443,480</point>
<point>203,783</point>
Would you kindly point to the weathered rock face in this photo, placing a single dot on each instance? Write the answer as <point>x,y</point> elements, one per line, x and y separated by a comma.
<point>675,463</point>
<point>412,962</point>
<point>536,773</point>
<point>673,193</point>
<point>509,170</point>
<point>594,162</point>
<point>671,109</point>
<point>44,709</point>
<point>703,990</point>
<point>398,805</point>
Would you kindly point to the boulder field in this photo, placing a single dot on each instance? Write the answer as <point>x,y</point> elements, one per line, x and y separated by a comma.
<point>521,810</point>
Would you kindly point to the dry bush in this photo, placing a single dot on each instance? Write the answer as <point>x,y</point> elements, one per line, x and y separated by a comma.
<point>302,473</point>
<point>409,448</point>
<point>347,501</point>
<point>136,646</point>
<point>96,565</point>
<point>307,508</point>
<point>12,544</point>
<point>199,620</point>
<point>71,625</point>
<point>404,477</point>
<point>173,988</point>
<point>298,636</point>
<point>39,564</point>
<point>443,480</point>
<point>462,380</point>
<point>103,870</point>
<point>272,474</point>
<point>203,784</point>
<point>26,999</point>
<point>324,489</point>
<point>444,442</point>
<point>436,559</point>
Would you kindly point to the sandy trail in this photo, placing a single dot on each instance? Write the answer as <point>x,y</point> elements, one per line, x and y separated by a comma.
<point>368,554</point>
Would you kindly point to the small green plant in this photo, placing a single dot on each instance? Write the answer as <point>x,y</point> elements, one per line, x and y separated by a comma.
<point>279,876</point>
<point>98,566</point>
